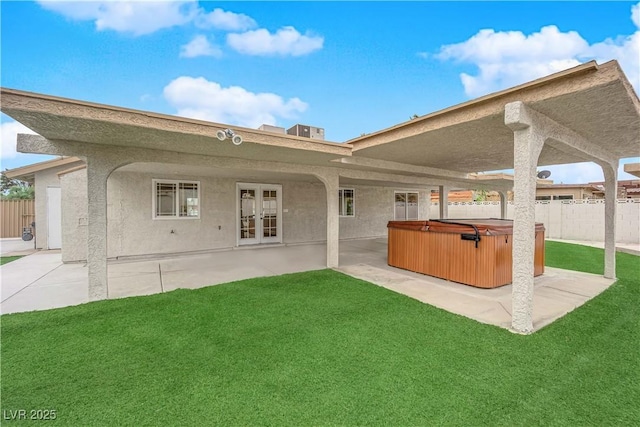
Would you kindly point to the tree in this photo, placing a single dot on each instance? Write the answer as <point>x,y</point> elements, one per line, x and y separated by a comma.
<point>14,189</point>
<point>6,183</point>
<point>480,195</point>
<point>18,192</point>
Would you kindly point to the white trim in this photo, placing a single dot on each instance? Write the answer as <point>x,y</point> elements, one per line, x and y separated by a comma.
<point>259,239</point>
<point>155,181</point>
<point>341,201</point>
<point>405,192</point>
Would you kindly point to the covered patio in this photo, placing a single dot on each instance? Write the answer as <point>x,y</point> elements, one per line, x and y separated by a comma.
<point>41,281</point>
<point>587,113</point>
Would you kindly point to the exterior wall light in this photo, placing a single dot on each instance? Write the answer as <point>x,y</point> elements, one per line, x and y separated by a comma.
<point>228,133</point>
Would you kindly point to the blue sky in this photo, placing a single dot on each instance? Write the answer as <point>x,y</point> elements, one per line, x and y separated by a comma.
<point>350,67</point>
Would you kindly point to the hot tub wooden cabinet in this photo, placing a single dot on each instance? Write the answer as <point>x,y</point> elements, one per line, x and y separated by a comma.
<point>475,252</point>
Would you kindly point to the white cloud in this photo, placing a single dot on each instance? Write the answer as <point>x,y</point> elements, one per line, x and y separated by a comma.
<point>635,14</point>
<point>199,46</point>
<point>286,41</point>
<point>140,17</point>
<point>135,17</point>
<point>508,58</point>
<point>201,99</point>
<point>224,20</point>
<point>8,133</point>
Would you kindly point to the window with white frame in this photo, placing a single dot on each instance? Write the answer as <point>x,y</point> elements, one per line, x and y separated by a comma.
<point>406,205</point>
<point>176,199</point>
<point>346,201</point>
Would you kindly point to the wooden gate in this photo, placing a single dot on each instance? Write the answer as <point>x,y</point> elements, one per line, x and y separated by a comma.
<point>16,214</point>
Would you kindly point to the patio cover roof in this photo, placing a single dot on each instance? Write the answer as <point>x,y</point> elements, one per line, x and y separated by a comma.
<point>596,101</point>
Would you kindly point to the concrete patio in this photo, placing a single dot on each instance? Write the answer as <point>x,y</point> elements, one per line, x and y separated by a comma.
<point>41,281</point>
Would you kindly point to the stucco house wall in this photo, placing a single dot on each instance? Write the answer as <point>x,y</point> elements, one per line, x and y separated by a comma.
<point>74,215</point>
<point>578,193</point>
<point>304,217</point>
<point>43,180</point>
<point>374,208</point>
<point>133,232</point>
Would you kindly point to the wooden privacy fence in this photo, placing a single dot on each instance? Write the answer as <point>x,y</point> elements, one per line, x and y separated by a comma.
<point>16,214</point>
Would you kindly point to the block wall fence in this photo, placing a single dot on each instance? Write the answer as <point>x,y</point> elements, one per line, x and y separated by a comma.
<point>563,219</point>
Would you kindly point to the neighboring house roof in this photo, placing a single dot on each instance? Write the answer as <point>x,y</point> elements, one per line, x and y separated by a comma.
<point>454,196</point>
<point>591,187</point>
<point>26,173</point>
<point>625,187</point>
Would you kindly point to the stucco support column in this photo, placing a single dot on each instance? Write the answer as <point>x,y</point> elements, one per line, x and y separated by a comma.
<point>443,201</point>
<point>331,182</point>
<point>98,170</point>
<point>610,204</point>
<point>528,142</point>
<point>503,204</point>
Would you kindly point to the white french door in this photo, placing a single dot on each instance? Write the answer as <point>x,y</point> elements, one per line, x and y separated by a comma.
<point>259,213</point>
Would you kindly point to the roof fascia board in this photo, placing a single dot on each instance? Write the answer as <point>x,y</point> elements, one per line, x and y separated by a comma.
<point>74,169</point>
<point>41,166</point>
<point>15,102</point>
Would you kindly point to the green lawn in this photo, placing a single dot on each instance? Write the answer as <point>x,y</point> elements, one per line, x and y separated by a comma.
<point>321,348</point>
<point>7,259</point>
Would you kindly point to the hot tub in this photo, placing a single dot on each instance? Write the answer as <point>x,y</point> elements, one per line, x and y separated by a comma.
<point>475,252</point>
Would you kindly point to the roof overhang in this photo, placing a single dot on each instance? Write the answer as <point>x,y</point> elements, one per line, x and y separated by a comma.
<point>62,119</point>
<point>633,169</point>
<point>595,101</point>
<point>27,173</point>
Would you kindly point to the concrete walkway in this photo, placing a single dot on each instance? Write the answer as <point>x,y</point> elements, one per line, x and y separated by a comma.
<point>556,293</point>
<point>41,281</point>
<point>16,247</point>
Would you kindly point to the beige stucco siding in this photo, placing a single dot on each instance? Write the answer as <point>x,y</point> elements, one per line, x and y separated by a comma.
<point>131,228</point>
<point>74,215</point>
<point>132,231</point>
<point>577,192</point>
<point>43,180</point>
<point>304,206</point>
<point>374,208</point>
